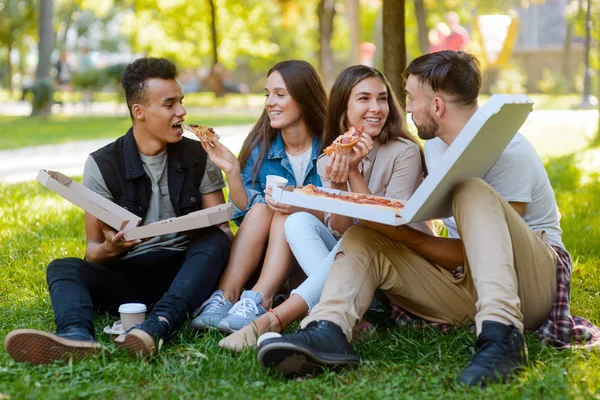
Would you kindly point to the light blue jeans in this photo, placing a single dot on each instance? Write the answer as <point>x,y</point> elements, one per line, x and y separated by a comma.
<point>314,246</point>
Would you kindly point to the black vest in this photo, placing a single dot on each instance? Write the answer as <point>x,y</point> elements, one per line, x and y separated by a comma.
<point>123,172</point>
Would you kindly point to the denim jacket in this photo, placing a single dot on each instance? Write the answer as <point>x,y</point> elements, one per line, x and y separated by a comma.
<point>275,162</point>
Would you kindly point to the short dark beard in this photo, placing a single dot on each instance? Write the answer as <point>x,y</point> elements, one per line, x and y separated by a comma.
<point>429,129</point>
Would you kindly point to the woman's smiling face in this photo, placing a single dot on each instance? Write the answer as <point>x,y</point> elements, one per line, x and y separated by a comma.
<point>368,106</point>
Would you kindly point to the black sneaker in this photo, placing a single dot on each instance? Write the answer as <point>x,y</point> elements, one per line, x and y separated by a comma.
<point>306,352</point>
<point>141,340</point>
<point>500,351</point>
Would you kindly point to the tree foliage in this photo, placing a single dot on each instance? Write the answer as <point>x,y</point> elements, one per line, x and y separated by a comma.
<point>262,31</point>
<point>17,20</point>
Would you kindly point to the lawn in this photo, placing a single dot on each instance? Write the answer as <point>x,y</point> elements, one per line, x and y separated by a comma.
<point>37,226</point>
<point>234,109</point>
<point>18,132</point>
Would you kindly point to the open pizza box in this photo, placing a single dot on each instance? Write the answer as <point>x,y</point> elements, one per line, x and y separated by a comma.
<point>472,154</point>
<point>122,220</point>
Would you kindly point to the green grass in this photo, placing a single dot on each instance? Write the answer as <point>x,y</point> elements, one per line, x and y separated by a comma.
<point>200,99</point>
<point>37,226</point>
<point>18,132</point>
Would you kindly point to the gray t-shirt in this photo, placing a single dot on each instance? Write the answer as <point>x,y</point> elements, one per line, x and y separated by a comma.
<point>160,207</point>
<point>519,176</point>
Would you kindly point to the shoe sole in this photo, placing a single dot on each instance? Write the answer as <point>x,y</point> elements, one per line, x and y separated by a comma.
<point>137,343</point>
<point>294,361</point>
<point>205,327</point>
<point>38,347</point>
<point>226,328</point>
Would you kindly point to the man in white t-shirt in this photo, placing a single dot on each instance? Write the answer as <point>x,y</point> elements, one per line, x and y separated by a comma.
<point>503,265</point>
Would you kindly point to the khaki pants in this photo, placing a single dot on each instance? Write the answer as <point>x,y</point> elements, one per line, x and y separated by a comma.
<point>510,271</point>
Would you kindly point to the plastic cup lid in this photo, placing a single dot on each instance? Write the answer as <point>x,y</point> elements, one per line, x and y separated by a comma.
<point>132,308</point>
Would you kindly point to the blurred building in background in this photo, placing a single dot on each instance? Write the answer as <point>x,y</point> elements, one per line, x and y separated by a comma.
<point>540,43</point>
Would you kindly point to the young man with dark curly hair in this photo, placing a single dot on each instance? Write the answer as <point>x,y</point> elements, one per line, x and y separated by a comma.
<point>156,173</point>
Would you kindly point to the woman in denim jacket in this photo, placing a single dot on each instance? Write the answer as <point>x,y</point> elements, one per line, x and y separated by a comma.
<point>285,141</point>
<point>386,162</point>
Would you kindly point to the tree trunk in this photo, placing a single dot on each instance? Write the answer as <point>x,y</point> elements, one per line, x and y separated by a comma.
<point>394,45</point>
<point>42,102</point>
<point>216,76</point>
<point>587,79</point>
<point>421,17</point>
<point>213,32</point>
<point>9,72</point>
<point>598,92</point>
<point>566,61</point>
<point>354,24</point>
<point>326,13</point>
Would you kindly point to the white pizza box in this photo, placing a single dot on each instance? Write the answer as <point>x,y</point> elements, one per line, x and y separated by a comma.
<point>100,207</point>
<point>471,155</point>
<point>336,206</point>
<point>123,220</point>
<point>199,219</point>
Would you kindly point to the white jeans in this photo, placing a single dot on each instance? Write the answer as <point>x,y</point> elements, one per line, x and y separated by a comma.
<point>314,247</point>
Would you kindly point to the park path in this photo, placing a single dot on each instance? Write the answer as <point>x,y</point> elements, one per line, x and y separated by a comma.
<point>18,165</point>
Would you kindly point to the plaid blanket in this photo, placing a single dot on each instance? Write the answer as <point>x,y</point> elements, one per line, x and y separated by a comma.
<point>561,329</point>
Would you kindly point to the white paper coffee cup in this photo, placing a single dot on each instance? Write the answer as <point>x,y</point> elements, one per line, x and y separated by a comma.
<point>275,180</point>
<point>131,314</point>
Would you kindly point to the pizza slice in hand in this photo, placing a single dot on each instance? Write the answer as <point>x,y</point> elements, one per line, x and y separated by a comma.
<point>343,144</point>
<point>204,133</point>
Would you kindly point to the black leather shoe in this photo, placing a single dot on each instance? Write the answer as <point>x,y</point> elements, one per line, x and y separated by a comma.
<point>500,350</point>
<point>306,352</point>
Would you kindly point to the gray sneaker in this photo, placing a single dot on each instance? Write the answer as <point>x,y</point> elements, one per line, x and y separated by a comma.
<point>243,312</point>
<point>212,311</point>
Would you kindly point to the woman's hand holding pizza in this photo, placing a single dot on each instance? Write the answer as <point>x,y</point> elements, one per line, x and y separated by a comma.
<point>337,168</point>
<point>360,150</point>
<point>221,156</point>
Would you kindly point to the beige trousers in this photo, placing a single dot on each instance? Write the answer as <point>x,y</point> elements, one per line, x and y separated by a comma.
<point>510,271</point>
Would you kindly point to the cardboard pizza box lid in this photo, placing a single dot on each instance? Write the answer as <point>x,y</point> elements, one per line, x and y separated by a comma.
<point>105,210</point>
<point>122,220</point>
<point>471,155</point>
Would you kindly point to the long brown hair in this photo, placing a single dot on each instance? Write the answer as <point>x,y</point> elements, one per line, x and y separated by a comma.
<point>337,107</point>
<point>306,88</point>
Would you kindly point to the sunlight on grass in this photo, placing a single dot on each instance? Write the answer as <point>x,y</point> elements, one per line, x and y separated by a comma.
<point>37,226</point>
<point>588,163</point>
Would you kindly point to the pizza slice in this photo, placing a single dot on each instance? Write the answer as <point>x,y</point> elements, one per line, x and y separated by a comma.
<point>204,133</point>
<point>343,144</point>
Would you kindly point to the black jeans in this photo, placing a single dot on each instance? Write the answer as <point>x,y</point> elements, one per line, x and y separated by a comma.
<point>176,281</point>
